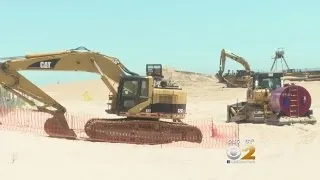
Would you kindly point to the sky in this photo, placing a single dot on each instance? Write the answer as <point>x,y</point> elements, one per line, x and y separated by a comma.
<point>187,35</point>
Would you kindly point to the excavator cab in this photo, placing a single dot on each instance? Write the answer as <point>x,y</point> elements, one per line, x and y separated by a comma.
<point>132,91</point>
<point>150,95</point>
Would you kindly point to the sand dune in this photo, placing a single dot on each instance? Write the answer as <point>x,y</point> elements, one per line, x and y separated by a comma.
<point>282,152</point>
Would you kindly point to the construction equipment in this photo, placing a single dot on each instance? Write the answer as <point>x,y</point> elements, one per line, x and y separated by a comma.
<point>234,80</point>
<point>293,74</point>
<point>271,101</point>
<point>141,100</point>
<point>279,55</point>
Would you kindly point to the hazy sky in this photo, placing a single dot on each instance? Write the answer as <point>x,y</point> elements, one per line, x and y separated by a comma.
<point>178,33</point>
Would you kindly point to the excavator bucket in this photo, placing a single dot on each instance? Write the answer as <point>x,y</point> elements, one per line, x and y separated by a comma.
<point>57,126</point>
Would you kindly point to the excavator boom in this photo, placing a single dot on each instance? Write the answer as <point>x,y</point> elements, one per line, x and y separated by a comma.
<point>110,69</point>
<point>114,75</point>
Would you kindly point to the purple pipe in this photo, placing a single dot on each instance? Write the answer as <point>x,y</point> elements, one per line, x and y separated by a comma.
<point>280,101</point>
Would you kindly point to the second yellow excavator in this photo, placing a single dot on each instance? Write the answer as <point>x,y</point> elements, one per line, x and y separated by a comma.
<point>141,100</point>
<point>233,80</point>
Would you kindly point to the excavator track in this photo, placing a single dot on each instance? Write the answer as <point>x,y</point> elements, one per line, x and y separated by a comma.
<point>141,131</point>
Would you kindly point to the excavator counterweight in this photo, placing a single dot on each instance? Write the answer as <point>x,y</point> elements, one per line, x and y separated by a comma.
<point>141,100</point>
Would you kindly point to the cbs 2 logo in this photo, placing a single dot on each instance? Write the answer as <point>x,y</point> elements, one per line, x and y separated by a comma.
<point>234,153</point>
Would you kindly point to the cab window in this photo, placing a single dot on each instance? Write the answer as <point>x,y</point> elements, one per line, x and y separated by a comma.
<point>270,83</point>
<point>130,88</point>
<point>144,88</point>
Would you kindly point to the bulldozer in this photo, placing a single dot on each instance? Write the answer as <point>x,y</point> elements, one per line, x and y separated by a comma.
<point>145,104</point>
<point>241,78</point>
<point>269,100</point>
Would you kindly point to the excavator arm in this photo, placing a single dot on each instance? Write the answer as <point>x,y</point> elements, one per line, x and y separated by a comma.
<point>110,69</point>
<point>234,57</point>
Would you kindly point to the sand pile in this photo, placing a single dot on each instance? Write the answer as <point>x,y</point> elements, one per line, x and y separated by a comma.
<point>185,78</point>
<point>210,90</point>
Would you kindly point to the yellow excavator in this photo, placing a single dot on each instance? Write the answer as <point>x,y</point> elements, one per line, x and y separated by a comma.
<point>141,101</point>
<point>234,80</point>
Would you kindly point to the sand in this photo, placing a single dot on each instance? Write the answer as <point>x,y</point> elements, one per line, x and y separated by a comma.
<point>281,152</point>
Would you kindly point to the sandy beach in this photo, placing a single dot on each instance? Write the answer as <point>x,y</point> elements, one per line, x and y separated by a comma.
<point>281,152</point>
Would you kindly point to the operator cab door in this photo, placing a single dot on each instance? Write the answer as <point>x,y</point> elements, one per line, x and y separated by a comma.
<point>131,92</point>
